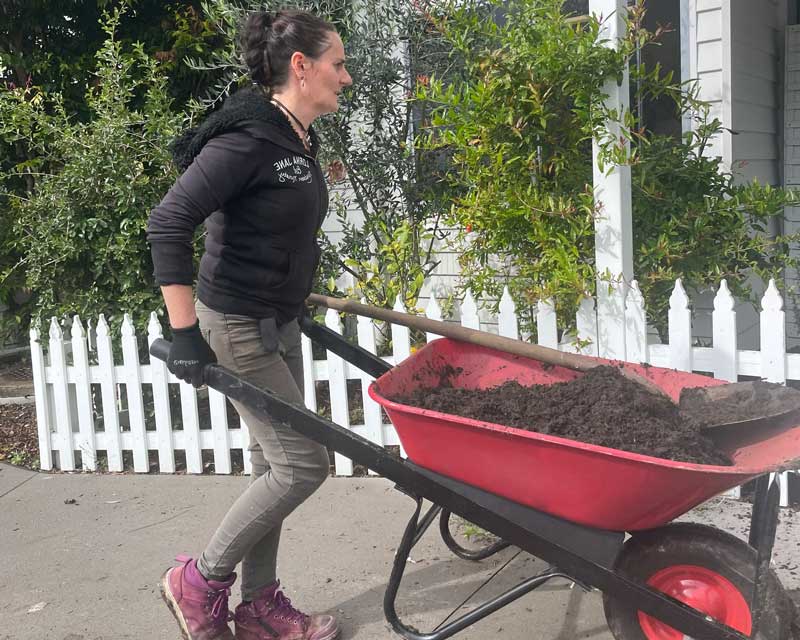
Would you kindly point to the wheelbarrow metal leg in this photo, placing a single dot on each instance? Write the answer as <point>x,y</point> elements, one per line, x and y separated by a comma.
<point>467,554</point>
<point>410,537</point>
<point>425,523</point>
<point>763,526</point>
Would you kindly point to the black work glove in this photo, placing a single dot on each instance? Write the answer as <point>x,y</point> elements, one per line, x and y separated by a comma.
<point>189,354</point>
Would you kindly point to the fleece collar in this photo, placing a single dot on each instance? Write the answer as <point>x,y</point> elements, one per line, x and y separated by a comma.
<point>248,108</point>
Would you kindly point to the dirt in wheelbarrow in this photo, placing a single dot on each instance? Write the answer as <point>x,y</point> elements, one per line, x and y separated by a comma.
<point>601,407</point>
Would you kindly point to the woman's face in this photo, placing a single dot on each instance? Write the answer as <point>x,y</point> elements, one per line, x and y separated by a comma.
<point>326,76</point>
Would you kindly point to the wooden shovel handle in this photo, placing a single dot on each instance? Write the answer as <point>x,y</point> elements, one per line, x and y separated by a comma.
<point>547,355</point>
<point>457,332</point>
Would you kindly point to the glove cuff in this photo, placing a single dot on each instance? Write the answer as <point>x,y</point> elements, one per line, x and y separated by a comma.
<point>195,328</point>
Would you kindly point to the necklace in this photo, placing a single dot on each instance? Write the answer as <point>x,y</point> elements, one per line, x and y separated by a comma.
<point>304,136</point>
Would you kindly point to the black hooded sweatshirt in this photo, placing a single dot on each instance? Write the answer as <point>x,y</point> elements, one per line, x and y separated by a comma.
<point>263,199</point>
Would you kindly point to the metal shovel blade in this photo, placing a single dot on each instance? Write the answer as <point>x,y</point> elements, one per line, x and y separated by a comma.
<point>741,405</point>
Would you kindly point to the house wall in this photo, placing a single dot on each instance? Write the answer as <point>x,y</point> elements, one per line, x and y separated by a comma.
<point>791,156</point>
<point>703,58</point>
<point>734,49</point>
<point>756,61</point>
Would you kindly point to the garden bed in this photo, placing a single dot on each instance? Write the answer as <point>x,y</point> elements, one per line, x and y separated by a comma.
<point>19,441</point>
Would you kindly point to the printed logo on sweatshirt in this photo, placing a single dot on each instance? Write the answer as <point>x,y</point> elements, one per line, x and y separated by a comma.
<point>293,169</point>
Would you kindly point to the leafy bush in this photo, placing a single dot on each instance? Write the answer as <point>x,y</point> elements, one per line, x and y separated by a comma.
<point>80,228</point>
<point>518,124</point>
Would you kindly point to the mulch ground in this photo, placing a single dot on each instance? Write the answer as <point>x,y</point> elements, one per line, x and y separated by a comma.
<point>19,442</point>
<point>601,407</point>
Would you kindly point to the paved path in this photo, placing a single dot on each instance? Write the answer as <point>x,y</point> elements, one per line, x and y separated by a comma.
<point>89,569</point>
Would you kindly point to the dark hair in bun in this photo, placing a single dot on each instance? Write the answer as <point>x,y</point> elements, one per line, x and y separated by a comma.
<point>269,38</point>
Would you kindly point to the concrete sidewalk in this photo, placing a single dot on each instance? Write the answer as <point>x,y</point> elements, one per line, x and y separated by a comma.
<point>83,555</point>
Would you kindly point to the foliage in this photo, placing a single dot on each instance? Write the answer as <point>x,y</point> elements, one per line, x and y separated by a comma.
<point>81,228</point>
<point>519,123</point>
<point>390,251</point>
<point>49,47</point>
<point>51,44</point>
<point>693,221</point>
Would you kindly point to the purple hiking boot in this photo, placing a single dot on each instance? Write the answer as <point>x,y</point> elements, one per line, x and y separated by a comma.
<point>271,616</point>
<point>199,606</point>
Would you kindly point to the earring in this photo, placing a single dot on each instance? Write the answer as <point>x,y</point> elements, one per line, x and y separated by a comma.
<point>302,83</point>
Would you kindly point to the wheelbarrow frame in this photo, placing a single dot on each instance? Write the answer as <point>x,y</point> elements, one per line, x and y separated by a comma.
<point>585,555</point>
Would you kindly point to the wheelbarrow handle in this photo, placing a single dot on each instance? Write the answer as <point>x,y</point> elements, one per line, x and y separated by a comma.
<point>160,349</point>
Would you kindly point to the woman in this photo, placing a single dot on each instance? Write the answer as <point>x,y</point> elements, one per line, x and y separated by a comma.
<point>251,174</point>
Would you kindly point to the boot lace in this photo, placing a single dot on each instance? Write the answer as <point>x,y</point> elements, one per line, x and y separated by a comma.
<point>284,609</point>
<point>219,607</point>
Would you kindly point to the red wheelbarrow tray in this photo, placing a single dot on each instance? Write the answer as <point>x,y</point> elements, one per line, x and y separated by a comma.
<point>588,484</point>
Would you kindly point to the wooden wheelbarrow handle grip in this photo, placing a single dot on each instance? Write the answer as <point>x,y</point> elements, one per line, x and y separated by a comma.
<point>547,355</point>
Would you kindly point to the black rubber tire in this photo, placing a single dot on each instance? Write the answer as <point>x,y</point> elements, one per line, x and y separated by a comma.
<point>648,552</point>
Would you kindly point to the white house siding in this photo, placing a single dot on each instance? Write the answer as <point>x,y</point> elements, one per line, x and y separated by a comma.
<point>734,52</point>
<point>791,155</point>
<point>734,49</point>
<point>704,59</point>
<point>756,85</point>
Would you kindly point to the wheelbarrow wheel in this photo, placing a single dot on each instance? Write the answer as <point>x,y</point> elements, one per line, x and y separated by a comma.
<point>705,568</point>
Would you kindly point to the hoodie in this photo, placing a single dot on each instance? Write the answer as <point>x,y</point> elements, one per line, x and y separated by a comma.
<point>262,197</point>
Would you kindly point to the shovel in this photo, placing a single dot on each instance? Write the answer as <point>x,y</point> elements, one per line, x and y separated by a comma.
<point>724,410</point>
<point>572,361</point>
<point>754,405</point>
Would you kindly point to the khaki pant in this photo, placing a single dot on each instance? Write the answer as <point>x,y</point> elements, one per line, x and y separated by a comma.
<point>286,466</point>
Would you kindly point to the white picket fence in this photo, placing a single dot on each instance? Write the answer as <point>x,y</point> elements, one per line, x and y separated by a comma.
<point>76,380</point>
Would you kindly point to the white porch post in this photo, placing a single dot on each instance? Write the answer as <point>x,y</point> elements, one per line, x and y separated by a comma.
<point>613,233</point>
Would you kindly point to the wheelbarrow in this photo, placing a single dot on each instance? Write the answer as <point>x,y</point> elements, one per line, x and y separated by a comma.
<point>599,517</point>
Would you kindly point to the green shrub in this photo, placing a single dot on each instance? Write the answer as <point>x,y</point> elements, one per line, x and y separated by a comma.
<point>79,231</point>
<point>518,124</point>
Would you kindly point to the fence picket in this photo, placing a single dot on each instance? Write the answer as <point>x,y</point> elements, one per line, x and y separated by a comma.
<point>401,336</point>
<point>773,336</point>
<point>159,377</point>
<point>723,320</point>
<point>244,434</point>
<point>680,329</point>
<point>586,326</point>
<point>337,382</point>
<point>469,312</point>
<point>190,419</point>
<point>401,345</point>
<point>546,325</point>
<point>635,326</point>
<point>133,392</point>
<point>434,312</point>
<point>108,392</point>
<point>43,416</point>
<point>309,375</point>
<point>83,397</point>
<point>63,414</point>
<point>219,430</point>
<point>508,324</point>
<point>373,419</point>
<point>725,354</point>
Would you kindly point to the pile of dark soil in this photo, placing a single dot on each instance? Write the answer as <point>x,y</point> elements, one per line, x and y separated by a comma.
<point>601,407</point>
